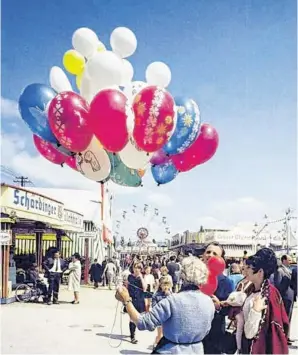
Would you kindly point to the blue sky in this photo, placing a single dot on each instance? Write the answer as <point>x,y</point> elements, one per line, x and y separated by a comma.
<point>237,59</point>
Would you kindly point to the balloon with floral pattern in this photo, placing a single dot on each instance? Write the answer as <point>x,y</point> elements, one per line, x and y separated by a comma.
<point>164,173</point>
<point>187,127</point>
<point>69,121</point>
<point>48,151</point>
<point>154,118</point>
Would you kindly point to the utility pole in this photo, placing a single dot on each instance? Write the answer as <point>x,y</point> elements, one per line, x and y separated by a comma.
<point>287,228</point>
<point>22,180</point>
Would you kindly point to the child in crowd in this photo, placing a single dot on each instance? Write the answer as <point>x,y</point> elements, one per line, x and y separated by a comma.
<point>149,281</point>
<point>165,289</point>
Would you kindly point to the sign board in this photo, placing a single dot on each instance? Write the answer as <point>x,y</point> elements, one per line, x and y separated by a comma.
<point>240,239</point>
<point>88,235</point>
<point>5,238</point>
<point>26,204</point>
<point>73,220</point>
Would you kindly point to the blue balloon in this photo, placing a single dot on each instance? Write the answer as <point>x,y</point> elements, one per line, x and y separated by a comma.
<point>187,127</point>
<point>164,173</point>
<point>32,106</point>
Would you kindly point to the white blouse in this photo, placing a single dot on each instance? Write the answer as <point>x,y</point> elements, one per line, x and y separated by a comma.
<point>149,280</point>
<point>252,318</point>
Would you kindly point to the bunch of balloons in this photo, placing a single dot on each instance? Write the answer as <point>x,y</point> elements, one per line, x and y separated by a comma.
<point>114,127</point>
<point>216,266</point>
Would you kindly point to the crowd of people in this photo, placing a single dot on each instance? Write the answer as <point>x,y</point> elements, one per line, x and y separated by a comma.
<point>256,295</point>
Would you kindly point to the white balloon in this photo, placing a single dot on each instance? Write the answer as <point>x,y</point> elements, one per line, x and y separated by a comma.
<point>158,73</point>
<point>85,41</point>
<point>87,90</point>
<point>123,41</point>
<point>94,162</point>
<point>174,121</point>
<point>130,120</point>
<point>105,69</point>
<point>127,72</point>
<point>134,157</point>
<point>58,80</point>
<point>132,89</point>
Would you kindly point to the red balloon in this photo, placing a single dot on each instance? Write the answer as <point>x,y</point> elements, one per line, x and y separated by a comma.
<point>154,118</point>
<point>210,286</point>
<point>109,110</point>
<point>216,265</point>
<point>200,151</point>
<point>71,162</point>
<point>70,122</point>
<point>48,151</point>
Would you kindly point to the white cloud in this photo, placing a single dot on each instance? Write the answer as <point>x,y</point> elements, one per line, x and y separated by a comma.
<point>210,222</point>
<point>240,209</point>
<point>9,108</point>
<point>160,199</point>
<point>15,155</point>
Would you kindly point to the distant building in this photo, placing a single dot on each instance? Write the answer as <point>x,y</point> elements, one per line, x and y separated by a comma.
<point>234,243</point>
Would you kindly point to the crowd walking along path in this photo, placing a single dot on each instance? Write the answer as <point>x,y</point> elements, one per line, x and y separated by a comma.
<point>77,329</point>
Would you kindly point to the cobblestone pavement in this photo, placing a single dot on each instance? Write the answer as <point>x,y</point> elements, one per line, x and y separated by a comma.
<point>74,329</point>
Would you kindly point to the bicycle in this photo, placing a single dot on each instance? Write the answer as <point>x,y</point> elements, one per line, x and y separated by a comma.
<point>28,292</point>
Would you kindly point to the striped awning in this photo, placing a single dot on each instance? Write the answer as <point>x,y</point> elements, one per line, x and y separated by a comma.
<point>46,236</point>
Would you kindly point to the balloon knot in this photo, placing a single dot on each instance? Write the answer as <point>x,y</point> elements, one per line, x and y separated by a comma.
<point>80,154</point>
<point>102,182</point>
<point>114,153</point>
<point>158,184</point>
<point>148,154</point>
<point>58,144</point>
<point>167,154</point>
<point>141,185</point>
<point>179,171</point>
<point>154,165</point>
<point>73,154</point>
<point>61,165</point>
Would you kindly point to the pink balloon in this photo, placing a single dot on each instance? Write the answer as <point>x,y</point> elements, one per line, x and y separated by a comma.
<point>159,157</point>
<point>71,162</point>
<point>48,151</point>
<point>108,111</point>
<point>200,151</point>
<point>70,121</point>
<point>154,118</point>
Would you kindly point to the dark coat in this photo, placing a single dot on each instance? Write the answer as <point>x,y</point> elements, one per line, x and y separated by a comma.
<point>282,281</point>
<point>96,272</point>
<point>49,263</point>
<point>293,283</point>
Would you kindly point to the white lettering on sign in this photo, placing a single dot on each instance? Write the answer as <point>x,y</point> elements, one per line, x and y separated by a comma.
<point>29,202</point>
<point>88,235</point>
<point>73,218</point>
<point>5,238</point>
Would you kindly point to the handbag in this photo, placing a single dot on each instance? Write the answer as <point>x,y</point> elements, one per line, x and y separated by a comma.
<point>237,298</point>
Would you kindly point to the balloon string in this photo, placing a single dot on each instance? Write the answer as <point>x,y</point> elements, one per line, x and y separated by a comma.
<point>113,326</point>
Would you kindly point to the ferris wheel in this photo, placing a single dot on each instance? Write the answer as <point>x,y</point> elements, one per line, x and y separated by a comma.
<point>141,225</point>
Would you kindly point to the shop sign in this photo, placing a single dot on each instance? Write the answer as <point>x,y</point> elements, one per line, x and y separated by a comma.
<point>24,201</point>
<point>73,219</point>
<point>5,238</point>
<point>88,235</point>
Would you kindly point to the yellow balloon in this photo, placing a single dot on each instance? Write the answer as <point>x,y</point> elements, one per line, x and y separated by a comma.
<point>73,62</point>
<point>101,47</point>
<point>79,80</point>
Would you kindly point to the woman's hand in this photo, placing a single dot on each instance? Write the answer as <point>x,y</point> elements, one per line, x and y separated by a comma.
<point>122,294</point>
<point>224,303</point>
<point>216,301</point>
<point>259,303</point>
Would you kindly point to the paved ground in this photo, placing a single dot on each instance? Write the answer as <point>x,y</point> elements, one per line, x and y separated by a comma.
<point>69,329</point>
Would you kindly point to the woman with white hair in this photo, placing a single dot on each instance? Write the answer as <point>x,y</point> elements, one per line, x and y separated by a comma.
<point>185,316</point>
